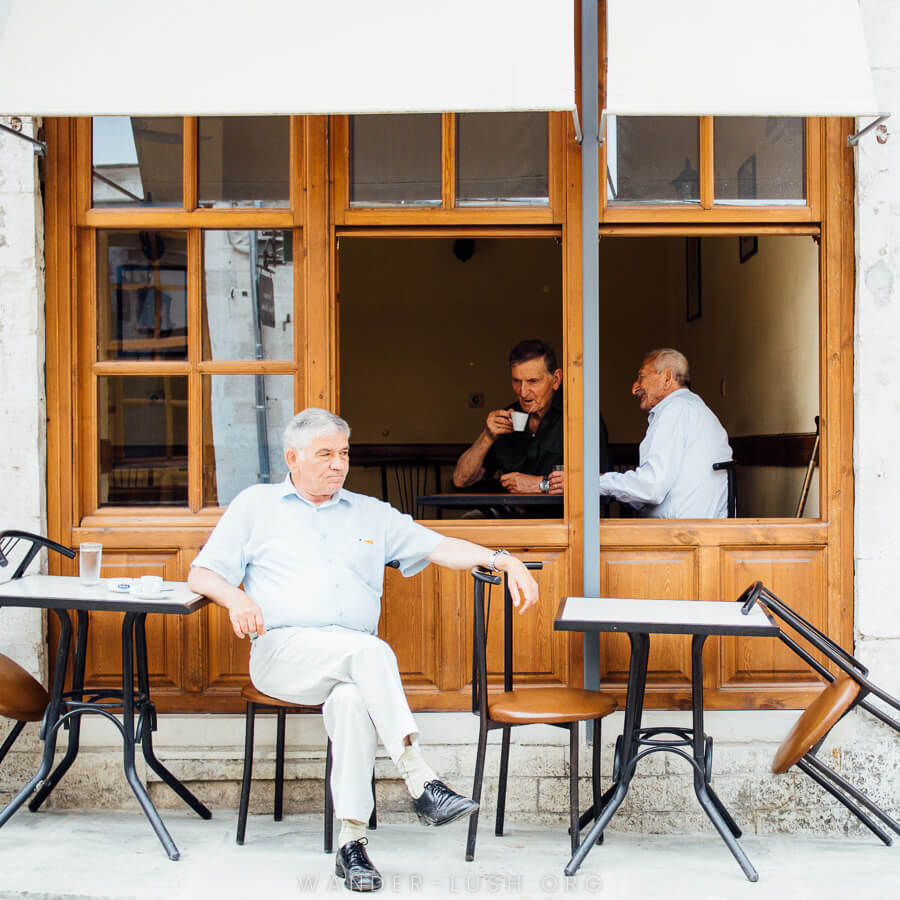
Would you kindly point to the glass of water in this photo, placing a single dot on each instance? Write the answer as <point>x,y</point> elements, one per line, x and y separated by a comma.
<point>89,556</point>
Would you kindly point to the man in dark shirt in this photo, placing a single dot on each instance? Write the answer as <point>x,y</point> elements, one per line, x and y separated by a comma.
<point>521,460</point>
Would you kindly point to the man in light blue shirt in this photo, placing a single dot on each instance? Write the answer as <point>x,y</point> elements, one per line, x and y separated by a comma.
<point>300,566</point>
<point>675,478</point>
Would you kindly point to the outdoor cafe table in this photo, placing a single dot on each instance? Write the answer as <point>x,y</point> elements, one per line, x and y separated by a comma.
<point>63,594</point>
<point>640,618</point>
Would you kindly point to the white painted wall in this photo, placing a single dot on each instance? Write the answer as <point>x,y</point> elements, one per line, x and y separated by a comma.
<point>23,406</point>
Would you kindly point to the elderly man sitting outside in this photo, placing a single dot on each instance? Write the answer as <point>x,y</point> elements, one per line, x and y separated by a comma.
<point>299,566</point>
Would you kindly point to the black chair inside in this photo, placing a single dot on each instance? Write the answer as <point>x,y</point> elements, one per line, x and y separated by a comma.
<point>730,468</point>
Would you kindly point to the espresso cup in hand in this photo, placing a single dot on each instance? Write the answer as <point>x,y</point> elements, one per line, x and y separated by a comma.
<point>519,420</point>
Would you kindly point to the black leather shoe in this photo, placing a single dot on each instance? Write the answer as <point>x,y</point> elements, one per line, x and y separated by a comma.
<point>438,805</point>
<point>352,863</point>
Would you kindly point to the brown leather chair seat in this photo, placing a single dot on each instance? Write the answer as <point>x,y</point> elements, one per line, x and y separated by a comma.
<point>820,717</point>
<point>254,696</point>
<point>21,696</point>
<point>549,706</point>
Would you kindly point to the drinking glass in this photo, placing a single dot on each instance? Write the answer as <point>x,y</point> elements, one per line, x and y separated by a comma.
<point>89,556</point>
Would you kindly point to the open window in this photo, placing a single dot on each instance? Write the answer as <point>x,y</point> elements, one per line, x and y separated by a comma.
<point>426,326</point>
<point>745,311</point>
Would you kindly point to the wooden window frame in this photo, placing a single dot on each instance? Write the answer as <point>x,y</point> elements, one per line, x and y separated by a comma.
<point>448,212</point>
<point>193,222</point>
<point>707,210</point>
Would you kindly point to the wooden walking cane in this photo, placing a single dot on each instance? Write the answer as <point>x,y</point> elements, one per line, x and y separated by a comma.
<point>801,504</point>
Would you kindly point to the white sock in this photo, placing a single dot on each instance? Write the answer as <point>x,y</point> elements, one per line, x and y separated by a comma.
<point>351,831</point>
<point>415,771</point>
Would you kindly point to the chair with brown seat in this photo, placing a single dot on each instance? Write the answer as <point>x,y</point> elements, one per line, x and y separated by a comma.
<point>564,707</point>
<point>256,700</point>
<point>847,690</point>
<point>22,697</point>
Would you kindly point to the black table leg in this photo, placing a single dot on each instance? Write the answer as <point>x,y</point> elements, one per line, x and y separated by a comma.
<point>148,719</point>
<point>75,721</point>
<point>51,717</point>
<point>626,749</point>
<point>711,804</point>
<point>128,631</point>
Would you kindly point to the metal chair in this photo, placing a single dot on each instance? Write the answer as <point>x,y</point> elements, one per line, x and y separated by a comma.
<point>730,469</point>
<point>257,700</point>
<point>564,707</point>
<point>843,692</point>
<point>22,697</point>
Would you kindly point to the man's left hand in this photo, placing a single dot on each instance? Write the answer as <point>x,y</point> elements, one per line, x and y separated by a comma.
<point>522,587</point>
<point>517,483</point>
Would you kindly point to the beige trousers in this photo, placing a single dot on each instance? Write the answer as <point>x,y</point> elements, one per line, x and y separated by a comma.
<point>354,676</point>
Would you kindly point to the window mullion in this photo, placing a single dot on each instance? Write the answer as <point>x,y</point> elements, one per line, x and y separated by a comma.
<point>189,173</point>
<point>448,160</point>
<point>195,349</point>
<point>707,160</point>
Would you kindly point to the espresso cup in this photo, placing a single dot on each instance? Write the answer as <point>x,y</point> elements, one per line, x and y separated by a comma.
<point>519,420</point>
<point>147,585</point>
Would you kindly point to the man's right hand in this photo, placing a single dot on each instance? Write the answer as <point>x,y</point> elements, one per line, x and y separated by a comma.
<point>498,422</point>
<point>246,617</point>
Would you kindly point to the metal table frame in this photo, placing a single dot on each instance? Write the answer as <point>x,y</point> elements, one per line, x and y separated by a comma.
<point>691,744</point>
<point>63,594</point>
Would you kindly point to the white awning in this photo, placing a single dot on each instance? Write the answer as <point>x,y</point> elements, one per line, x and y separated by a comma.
<point>279,57</point>
<point>737,58</point>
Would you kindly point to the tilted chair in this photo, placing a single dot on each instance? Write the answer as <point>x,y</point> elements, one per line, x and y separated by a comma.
<point>564,707</point>
<point>257,700</point>
<point>849,689</point>
<point>22,697</point>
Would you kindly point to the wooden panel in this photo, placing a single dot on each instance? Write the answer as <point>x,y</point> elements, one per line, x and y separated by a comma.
<point>667,574</point>
<point>798,577</point>
<point>228,659</point>
<point>164,633</point>
<point>408,625</point>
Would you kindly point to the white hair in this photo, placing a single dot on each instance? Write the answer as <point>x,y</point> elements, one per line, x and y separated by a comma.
<point>309,424</point>
<point>667,358</point>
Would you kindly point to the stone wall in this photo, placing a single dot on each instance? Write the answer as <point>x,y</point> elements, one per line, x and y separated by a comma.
<point>23,409</point>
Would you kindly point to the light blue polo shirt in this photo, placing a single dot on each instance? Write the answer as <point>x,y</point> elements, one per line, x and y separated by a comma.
<point>314,565</point>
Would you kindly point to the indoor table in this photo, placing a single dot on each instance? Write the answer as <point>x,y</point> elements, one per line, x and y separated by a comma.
<point>494,506</point>
<point>65,594</point>
<point>640,618</point>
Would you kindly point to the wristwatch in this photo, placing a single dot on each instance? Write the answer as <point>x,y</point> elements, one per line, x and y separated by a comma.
<point>545,484</point>
<point>493,558</point>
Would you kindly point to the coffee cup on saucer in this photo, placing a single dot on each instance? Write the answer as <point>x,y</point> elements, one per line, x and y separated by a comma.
<point>147,586</point>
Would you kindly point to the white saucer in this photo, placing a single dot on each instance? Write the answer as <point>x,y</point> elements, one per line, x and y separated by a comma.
<point>140,595</point>
<point>119,585</point>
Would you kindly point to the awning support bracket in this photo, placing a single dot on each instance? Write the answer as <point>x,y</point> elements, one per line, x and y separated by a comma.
<point>39,147</point>
<point>579,137</point>
<point>854,139</point>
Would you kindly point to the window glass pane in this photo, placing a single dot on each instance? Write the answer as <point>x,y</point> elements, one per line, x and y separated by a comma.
<point>248,295</point>
<point>143,423</point>
<point>243,161</point>
<point>501,157</point>
<point>760,160</point>
<point>395,160</point>
<point>136,161</point>
<point>142,294</point>
<point>243,420</point>
<point>653,159</point>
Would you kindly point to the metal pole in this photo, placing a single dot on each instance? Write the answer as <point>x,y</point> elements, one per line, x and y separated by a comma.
<point>590,217</point>
<point>259,393</point>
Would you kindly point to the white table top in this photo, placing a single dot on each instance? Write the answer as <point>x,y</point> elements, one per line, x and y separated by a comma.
<point>67,592</point>
<point>660,616</point>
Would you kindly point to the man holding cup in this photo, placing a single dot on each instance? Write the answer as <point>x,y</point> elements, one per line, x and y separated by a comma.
<point>520,445</point>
